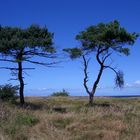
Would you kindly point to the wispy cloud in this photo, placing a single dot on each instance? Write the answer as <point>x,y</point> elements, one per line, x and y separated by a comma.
<point>135,84</point>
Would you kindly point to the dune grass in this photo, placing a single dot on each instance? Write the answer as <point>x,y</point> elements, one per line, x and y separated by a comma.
<point>69,118</point>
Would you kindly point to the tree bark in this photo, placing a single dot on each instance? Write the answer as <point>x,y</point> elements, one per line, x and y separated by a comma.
<point>91,99</point>
<point>20,77</point>
<point>97,80</point>
<point>86,74</point>
<point>91,96</point>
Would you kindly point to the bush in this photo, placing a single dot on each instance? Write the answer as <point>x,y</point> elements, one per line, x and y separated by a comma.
<point>25,119</point>
<point>8,92</point>
<point>61,93</point>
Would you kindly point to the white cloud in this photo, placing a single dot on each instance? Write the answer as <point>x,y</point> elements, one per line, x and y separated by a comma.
<point>137,82</point>
<point>134,84</point>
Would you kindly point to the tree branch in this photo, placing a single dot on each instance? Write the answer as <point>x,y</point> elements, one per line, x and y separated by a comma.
<point>40,54</point>
<point>119,80</point>
<point>104,59</point>
<point>99,52</point>
<point>113,69</point>
<point>41,63</point>
<point>8,68</point>
<point>12,79</point>
<point>102,50</point>
<point>86,74</point>
<point>16,68</point>
<point>7,60</point>
<point>98,56</point>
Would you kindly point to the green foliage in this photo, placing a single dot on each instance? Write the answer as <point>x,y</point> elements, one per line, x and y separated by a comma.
<point>110,35</point>
<point>74,52</point>
<point>35,38</point>
<point>119,81</point>
<point>107,37</point>
<point>60,93</point>
<point>8,92</point>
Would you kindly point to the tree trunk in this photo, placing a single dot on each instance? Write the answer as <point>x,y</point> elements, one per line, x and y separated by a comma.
<point>91,99</point>
<point>91,95</point>
<point>20,77</point>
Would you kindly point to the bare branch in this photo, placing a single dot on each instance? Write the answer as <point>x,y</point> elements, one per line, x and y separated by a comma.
<point>16,68</point>
<point>8,68</point>
<point>7,60</point>
<point>42,63</point>
<point>99,52</point>
<point>104,59</point>
<point>98,56</point>
<point>28,68</point>
<point>46,55</point>
<point>113,69</point>
<point>86,74</point>
<point>12,79</point>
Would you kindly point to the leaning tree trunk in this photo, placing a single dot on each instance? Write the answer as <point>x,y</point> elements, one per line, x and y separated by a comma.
<point>91,95</point>
<point>20,78</point>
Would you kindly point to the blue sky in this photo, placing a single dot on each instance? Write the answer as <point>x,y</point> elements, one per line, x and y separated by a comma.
<point>66,18</point>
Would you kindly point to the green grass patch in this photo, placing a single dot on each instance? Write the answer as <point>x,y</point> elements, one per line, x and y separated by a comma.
<point>61,123</point>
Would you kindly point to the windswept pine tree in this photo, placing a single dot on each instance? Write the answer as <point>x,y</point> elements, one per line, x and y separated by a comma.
<point>23,45</point>
<point>102,41</point>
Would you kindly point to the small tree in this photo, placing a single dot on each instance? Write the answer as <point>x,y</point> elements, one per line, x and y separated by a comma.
<point>23,45</point>
<point>102,41</point>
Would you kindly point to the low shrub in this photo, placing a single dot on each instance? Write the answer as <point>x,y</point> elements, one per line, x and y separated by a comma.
<point>8,92</point>
<point>16,125</point>
<point>61,93</point>
<point>25,119</point>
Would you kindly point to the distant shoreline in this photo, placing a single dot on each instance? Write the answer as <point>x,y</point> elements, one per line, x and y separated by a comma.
<point>126,96</point>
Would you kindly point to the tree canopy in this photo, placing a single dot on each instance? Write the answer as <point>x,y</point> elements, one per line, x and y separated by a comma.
<point>104,37</point>
<point>34,41</point>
